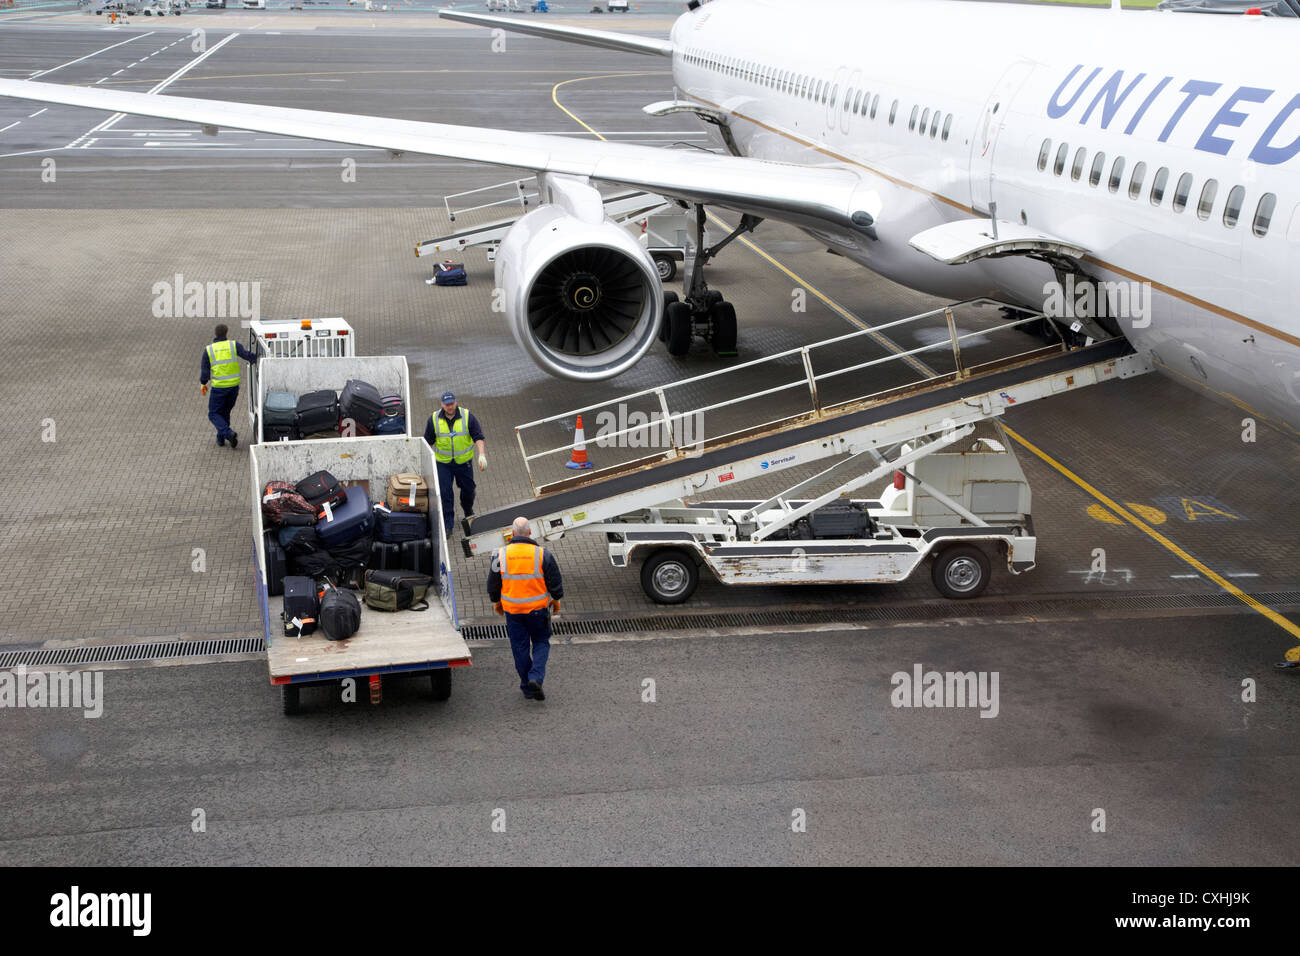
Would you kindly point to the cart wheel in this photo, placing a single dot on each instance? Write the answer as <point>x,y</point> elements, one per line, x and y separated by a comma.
<point>291,696</point>
<point>678,317</point>
<point>669,576</point>
<point>961,572</point>
<point>669,299</point>
<point>667,267</point>
<point>441,681</point>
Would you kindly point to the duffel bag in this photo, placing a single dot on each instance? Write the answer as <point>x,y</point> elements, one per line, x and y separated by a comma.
<point>340,614</point>
<point>397,590</point>
<point>282,505</point>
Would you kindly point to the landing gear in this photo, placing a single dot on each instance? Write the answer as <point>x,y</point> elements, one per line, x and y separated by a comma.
<point>703,313</point>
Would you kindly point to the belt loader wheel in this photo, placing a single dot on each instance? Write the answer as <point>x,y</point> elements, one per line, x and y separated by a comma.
<point>961,572</point>
<point>291,693</point>
<point>669,576</point>
<point>441,681</point>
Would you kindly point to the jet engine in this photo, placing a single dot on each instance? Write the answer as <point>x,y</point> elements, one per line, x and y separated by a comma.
<point>582,297</point>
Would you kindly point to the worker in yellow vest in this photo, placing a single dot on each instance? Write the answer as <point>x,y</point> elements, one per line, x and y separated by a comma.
<point>455,437</point>
<point>525,585</point>
<point>219,380</point>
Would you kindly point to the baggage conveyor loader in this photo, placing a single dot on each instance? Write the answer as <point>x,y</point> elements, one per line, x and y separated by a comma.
<point>958,495</point>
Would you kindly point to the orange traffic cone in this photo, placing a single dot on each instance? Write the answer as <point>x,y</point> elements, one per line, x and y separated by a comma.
<point>579,459</point>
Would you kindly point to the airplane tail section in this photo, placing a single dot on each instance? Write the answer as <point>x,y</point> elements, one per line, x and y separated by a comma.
<point>601,38</point>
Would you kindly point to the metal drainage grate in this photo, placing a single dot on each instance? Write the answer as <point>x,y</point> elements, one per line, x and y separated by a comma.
<point>889,612</point>
<point>118,653</point>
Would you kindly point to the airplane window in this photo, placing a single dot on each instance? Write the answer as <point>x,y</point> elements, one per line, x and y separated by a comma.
<point>835,93</point>
<point>911,124</point>
<point>1098,164</point>
<point>1158,185</point>
<point>947,127</point>
<point>1116,175</point>
<point>857,103</point>
<point>1232,208</point>
<point>925,120</point>
<point>875,102</point>
<point>1182,191</point>
<point>1060,159</point>
<point>1135,184</point>
<point>934,125</point>
<point>893,111</point>
<point>1043,154</point>
<point>1080,157</point>
<point>1264,213</point>
<point>1206,205</point>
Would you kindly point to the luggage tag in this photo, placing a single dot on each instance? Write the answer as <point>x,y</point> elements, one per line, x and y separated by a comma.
<point>329,512</point>
<point>415,485</point>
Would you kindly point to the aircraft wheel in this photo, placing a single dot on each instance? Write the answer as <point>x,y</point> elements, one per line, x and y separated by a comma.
<point>669,299</point>
<point>722,317</point>
<point>678,316</point>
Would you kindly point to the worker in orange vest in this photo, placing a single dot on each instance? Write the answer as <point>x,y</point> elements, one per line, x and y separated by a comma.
<point>524,584</point>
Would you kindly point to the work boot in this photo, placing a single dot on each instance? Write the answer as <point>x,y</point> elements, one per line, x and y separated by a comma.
<point>536,688</point>
<point>234,439</point>
<point>221,441</point>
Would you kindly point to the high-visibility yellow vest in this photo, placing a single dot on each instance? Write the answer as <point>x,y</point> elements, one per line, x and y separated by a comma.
<point>453,442</point>
<point>523,585</point>
<point>223,363</point>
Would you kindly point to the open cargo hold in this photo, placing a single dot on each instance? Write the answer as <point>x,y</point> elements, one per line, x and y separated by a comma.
<point>387,373</point>
<point>386,643</point>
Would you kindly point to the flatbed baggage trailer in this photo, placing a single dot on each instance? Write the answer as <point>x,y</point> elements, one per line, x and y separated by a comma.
<point>387,644</point>
<point>388,373</point>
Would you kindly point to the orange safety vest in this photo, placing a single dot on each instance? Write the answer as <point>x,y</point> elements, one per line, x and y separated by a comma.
<point>523,586</point>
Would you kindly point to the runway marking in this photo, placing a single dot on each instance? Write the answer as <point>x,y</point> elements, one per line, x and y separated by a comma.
<point>89,55</point>
<point>119,71</point>
<point>1141,525</point>
<point>882,340</point>
<point>11,125</point>
<point>37,113</point>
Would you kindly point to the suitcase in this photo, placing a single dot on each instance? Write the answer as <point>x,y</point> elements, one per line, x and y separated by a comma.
<point>340,614</point>
<point>319,489</point>
<point>282,505</point>
<point>277,564</point>
<point>454,275</point>
<point>350,520</point>
<point>279,408</point>
<point>384,556</point>
<point>300,602</point>
<point>390,426</point>
<point>279,432</point>
<point>399,526</point>
<point>361,402</point>
<point>299,540</point>
<point>394,406</point>
<point>398,495</point>
<point>420,556</point>
<point>317,412</point>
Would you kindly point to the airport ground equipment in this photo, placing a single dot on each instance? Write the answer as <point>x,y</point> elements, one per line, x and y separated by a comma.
<point>387,644</point>
<point>877,408</point>
<point>388,373</point>
<point>664,224</point>
<point>294,339</point>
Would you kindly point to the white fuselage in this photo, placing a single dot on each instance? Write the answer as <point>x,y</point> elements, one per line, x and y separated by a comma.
<point>1206,97</point>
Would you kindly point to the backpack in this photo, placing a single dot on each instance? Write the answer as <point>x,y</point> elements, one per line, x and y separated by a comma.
<point>397,590</point>
<point>340,614</point>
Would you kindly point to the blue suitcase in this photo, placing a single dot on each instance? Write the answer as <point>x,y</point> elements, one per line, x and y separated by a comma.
<point>395,527</point>
<point>350,520</point>
<point>453,276</point>
<point>390,426</point>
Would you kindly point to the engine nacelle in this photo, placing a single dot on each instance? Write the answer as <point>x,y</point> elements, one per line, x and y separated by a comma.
<point>582,296</point>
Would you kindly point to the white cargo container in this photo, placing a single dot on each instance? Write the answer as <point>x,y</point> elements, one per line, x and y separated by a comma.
<point>388,373</point>
<point>405,642</point>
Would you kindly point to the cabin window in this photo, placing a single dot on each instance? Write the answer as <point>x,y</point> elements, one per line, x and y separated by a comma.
<point>934,125</point>
<point>1264,213</point>
<point>1060,158</point>
<point>947,127</point>
<point>875,102</point>
<point>1182,191</point>
<point>857,102</point>
<point>1081,157</point>
<point>1116,175</point>
<point>1232,208</point>
<point>1135,184</point>
<point>1098,166</point>
<point>925,120</point>
<point>1206,205</point>
<point>835,95</point>
<point>911,123</point>
<point>1158,185</point>
<point>893,111</point>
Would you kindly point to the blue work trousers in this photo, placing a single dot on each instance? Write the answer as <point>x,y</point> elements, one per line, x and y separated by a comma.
<point>464,477</point>
<point>530,641</point>
<point>221,401</point>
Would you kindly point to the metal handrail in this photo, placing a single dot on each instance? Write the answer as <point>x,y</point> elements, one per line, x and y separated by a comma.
<point>523,197</point>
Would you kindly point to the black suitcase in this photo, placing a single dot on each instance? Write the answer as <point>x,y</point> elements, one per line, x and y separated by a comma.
<point>277,564</point>
<point>317,412</point>
<point>300,604</point>
<point>399,526</point>
<point>321,488</point>
<point>420,556</point>
<point>385,556</point>
<point>279,432</point>
<point>361,402</point>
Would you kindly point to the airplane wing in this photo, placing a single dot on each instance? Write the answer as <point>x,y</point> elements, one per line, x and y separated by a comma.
<point>802,195</point>
<point>601,38</point>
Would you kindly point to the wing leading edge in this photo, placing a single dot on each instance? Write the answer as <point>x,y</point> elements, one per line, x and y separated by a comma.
<point>601,38</point>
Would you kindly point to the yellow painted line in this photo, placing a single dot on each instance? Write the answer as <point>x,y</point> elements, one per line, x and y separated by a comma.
<point>830,303</point>
<point>1141,525</point>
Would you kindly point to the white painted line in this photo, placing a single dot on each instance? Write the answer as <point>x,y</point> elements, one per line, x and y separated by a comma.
<point>1184,575</point>
<point>89,55</point>
<point>38,112</point>
<point>119,71</point>
<point>1244,574</point>
<point>11,126</point>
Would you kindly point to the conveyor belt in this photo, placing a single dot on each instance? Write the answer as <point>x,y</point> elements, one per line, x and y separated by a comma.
<point>574,499</point>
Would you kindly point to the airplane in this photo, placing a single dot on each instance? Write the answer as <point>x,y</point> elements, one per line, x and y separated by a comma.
<point>1138,167</point>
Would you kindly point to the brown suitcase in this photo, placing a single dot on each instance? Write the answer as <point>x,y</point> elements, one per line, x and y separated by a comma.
<point>398,496</point>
